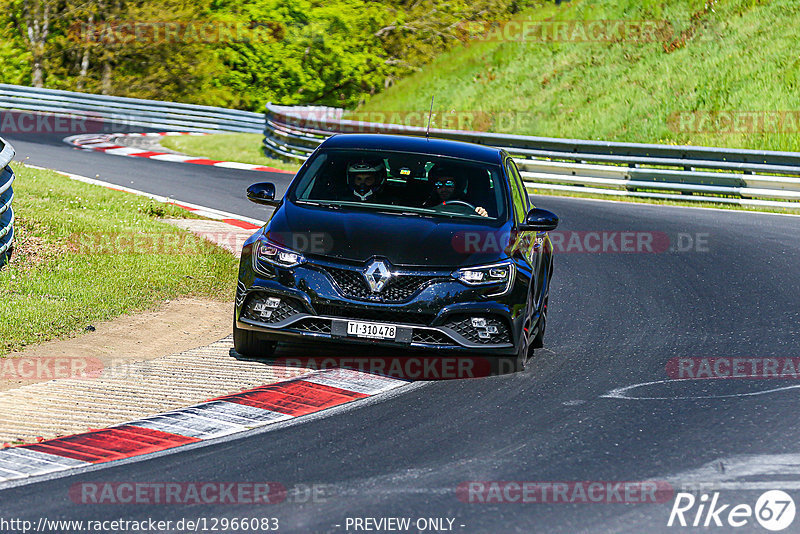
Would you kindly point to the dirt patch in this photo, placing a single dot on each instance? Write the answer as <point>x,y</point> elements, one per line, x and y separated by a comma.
<point>176,326</point>
<point>32,244</point>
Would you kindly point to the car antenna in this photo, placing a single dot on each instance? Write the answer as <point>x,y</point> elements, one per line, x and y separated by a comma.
<point>428,129</point>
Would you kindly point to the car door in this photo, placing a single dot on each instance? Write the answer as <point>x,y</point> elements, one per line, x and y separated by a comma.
<point>524,242</point>
<point>528,245</point>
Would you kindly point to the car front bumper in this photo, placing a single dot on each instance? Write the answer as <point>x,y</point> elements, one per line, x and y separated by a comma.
<point>441,315</point>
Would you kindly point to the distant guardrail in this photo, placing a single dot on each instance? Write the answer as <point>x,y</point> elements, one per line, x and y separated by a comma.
<point>6,196</point>
<point>668,172</point>
<point>122,111</point>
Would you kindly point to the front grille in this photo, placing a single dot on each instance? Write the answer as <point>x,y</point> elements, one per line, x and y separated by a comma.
<point>485,330</point>
<point>403,287</point>
<point>391,316</point>
<point>430,337</point>
<point>315,326</point>
<point>258,308</point>
<point>352,284</point>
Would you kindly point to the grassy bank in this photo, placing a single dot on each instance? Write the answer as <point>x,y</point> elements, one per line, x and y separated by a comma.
<point>735,56</point>
<point>85,254</point>
<point>241,147</point>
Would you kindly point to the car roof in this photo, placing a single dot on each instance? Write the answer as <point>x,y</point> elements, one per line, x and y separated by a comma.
<point>419,145</point>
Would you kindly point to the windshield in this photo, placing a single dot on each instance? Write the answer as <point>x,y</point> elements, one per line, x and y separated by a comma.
<point>420,183</point>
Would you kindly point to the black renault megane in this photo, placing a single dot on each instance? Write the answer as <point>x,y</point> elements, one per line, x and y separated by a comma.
<point>398,241</point>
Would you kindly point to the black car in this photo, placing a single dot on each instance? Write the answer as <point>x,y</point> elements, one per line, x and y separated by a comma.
<point>398,241</point>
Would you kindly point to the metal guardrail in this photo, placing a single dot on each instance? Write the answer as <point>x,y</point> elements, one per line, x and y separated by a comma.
<point>670,172</point>
<point>121,111</point>
<point>6,196</point>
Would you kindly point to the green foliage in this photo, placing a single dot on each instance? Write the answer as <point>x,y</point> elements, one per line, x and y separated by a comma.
<point>14,57</point>
<point>338,52</point>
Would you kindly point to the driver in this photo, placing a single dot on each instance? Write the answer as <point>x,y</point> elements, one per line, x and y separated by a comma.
<point>365,180</point>
<point>444,189</point>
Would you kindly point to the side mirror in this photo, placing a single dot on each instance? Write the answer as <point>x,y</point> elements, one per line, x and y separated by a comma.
<point>540,220</point>
<point>263,193</point>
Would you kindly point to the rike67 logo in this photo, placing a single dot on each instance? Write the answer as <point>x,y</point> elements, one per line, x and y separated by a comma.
<point>774,510</point>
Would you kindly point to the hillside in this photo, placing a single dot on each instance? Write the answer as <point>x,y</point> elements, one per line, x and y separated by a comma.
<point>728,75</point>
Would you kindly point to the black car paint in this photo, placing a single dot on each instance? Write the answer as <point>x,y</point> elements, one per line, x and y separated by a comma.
<point>352,237</point>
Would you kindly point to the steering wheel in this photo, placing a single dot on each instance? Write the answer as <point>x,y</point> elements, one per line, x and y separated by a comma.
<point>462,207</point>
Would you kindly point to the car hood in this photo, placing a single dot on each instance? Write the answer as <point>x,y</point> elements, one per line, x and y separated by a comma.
<point>356,235</point>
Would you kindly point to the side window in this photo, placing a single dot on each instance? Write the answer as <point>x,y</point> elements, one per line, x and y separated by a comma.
<point>518,196</point>
<point>523,190</point>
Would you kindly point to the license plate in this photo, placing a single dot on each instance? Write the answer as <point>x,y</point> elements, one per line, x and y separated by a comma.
<point>371,330</point>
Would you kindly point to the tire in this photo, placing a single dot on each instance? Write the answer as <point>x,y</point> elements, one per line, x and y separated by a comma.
<point>523,352</point>
<point>248,343</point>
<point>538,341</point>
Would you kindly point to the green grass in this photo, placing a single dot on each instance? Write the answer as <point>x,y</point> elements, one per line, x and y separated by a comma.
<point>622,91</point>
<point>241,147</point>
<point>70,269</point>
<point>640,200</point>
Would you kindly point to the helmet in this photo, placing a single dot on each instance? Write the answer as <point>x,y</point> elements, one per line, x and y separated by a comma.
<point>366,178</point>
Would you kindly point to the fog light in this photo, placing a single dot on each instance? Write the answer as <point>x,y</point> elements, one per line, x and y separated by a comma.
<point>263,307</point>
<point>484,330</point>
<point>260,308</point>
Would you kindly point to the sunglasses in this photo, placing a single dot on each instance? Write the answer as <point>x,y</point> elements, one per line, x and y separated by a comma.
<point>445,183</point>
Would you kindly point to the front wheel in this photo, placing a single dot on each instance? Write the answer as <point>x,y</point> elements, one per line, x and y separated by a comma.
<point>538,341</point>
<point>523,351</point>
<point>250,344</point>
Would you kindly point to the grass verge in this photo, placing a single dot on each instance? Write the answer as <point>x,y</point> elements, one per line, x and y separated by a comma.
<point>241,147</point>
<point>663,202</point>
<point>736,56</point>
<point>85,253</point>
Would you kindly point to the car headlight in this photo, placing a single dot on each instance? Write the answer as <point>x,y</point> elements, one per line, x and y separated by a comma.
<point>269,252</point>
<point>486,274</point>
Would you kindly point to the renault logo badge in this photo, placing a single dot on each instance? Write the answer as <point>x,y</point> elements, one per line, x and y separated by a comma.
<point>377,274</point>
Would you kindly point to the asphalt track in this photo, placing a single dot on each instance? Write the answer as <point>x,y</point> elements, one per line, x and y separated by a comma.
<point>616,320</point>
